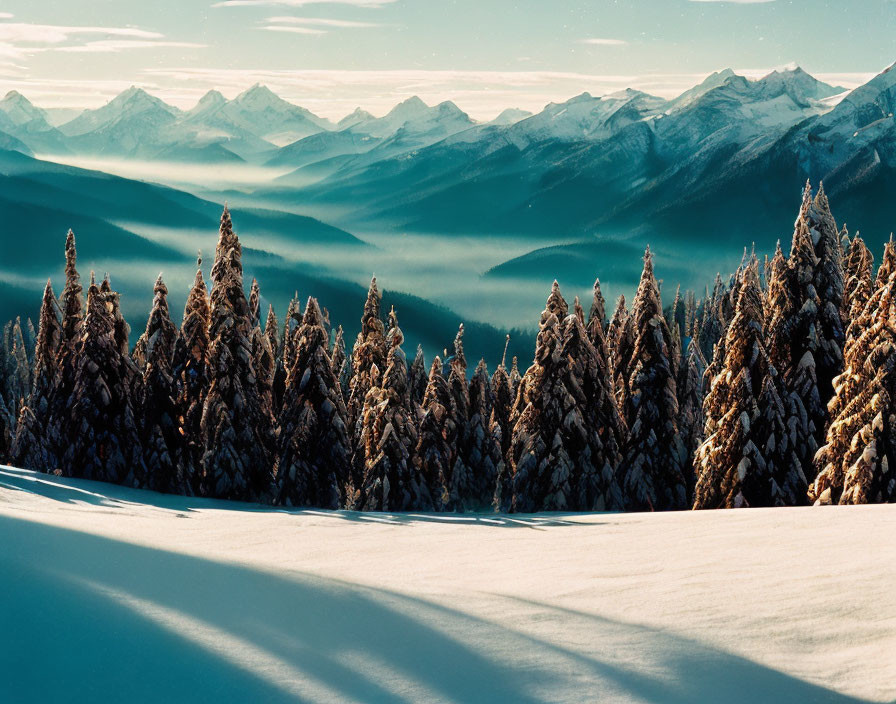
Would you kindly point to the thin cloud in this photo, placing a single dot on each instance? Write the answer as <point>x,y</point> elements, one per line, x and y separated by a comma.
<point>301,3</point>
<point>114,45</point>
<point>293,30</point>
<point>27,33</point>
<point>320,22</point>
<point>736,2</point>
<point>597,41</point>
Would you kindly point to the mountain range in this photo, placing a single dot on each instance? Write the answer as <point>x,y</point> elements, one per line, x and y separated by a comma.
<point>574,190</point>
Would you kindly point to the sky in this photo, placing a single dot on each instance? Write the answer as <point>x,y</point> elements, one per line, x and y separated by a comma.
<point>333,55</point>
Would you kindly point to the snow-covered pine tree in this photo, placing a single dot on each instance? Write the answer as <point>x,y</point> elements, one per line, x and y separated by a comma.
<point>236,428</point>
<point>484,450</point>
<point>264,355</point>
<point>7,395</point>
<point>777,434</point>
<point>593,431</point>
<point>690,387</point>
<point>418,378</point>
<point>369,350</point>
<point>159,426</point>
<point>314,440</point>
<point>278,385</point>
<point>858,274</point>
<point>828,281</point>
<point>22,366</point>
<point>31,448</point>
<point>100,426</point>
<point>514,377</point>
<point>801,376</point>
<point>121,329</point>
<point>437,437</point>
<point>337,356</point>
<point>620,343</point>
<point>541,473</point>
<point>598,314</point>
<point>254,304</point>
<point>732,470</point>
<point>855,463</point>
<point>859,283</point>
<point>72,305</point>
<point>190,369</point>
<point>392,480</point>
<point>463,485</point>
<point>714,322</point>
<point>654,460</point>
<point>556,305</point>
<point>290,325</point>
<point>887,263</point>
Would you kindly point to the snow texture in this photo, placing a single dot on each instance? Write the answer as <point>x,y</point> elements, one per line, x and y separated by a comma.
<point>115,594</point>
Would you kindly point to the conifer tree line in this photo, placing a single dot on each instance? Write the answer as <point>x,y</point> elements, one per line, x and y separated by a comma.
<point>775,388</point>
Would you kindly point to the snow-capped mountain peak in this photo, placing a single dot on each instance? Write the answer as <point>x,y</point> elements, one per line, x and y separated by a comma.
<point>356,117</point>
<point>210,101</point>
<point>19,109</point>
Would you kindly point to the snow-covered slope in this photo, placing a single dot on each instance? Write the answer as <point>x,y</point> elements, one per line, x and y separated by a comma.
<point>115,594</point>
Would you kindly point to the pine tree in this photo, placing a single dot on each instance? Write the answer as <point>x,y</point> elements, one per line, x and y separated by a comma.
<point>690,388</point>
<point>654,460</point>
<point>829,286</point>
<point>593,430</point>
<point>236,427</point>
<point>392,480</point>
<point>714,322</point>
<point>264,355</point>
<point>290,325</point>
<point>620,343</point>
<point>515,378</point>
<point>121,329</point>
<point>418,377</point>
<point>854,464</point>
<point>21,366</point>
<point>887,264</point>
<point>100,425</point>
<point>254,304</point>
<point>541,473</point>
<point>369,350</point>
<point>278,385</point>
<point>190,369</point>
<point>314,440</point>
<point>436,438</point>
<point>801,376</point>
<point>32,448</point>
<point>732,471</point>
<point>463,489</point>
<point>859,284</point>
<point>484,455</point>
<point>598,314</point>
<point>157,406</point>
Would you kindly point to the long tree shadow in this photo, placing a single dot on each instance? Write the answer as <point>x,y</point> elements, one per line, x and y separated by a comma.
<point>87,618</point>
<point>82,491</point>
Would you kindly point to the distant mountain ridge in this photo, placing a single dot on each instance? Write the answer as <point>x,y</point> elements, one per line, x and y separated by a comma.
<point>260,127</point>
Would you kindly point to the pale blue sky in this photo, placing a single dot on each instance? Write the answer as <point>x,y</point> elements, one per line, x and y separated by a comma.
<point>332,55</point>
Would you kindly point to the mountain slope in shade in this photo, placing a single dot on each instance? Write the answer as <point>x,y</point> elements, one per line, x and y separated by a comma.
<point>329,612</point>
<point>584,166</point>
